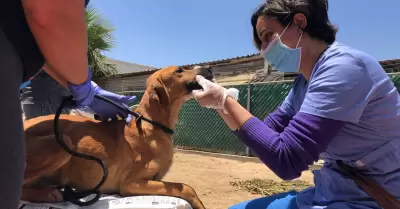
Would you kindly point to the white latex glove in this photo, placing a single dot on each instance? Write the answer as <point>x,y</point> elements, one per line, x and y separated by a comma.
<point>213,95</point>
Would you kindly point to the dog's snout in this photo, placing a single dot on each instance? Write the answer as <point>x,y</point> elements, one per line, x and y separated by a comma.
<point>206,72</point>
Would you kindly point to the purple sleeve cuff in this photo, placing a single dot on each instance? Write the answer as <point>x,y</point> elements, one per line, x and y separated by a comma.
<point>278,120</point>
<point>290,152</point>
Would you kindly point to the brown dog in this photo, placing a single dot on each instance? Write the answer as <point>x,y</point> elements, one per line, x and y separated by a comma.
<point>137,157</point>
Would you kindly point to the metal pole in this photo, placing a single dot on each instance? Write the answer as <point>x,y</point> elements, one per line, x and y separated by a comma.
<point>249,104</point>
<point>248,109</point>
<point>267,72</point>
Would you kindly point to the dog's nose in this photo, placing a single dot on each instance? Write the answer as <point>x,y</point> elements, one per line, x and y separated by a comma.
<point>206,72</point>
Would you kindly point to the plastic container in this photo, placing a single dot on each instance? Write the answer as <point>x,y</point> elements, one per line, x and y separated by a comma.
<point>116,202</point>
<point>149,202</point>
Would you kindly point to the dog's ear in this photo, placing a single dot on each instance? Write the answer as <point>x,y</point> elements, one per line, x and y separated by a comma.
<point>159,95</point>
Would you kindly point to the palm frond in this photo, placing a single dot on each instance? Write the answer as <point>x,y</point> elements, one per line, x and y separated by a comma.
<point>100,39</point>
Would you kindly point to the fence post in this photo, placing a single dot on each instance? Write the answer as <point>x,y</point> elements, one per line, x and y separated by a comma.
<point>248,109</point>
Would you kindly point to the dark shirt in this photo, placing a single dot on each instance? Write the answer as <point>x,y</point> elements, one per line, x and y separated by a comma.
<point>16,29</point>
<point>44,89</point>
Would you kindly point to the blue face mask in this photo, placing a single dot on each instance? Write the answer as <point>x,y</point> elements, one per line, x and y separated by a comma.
<point>281,57</point>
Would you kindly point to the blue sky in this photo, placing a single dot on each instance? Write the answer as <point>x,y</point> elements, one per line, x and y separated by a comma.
<point>159,33</point>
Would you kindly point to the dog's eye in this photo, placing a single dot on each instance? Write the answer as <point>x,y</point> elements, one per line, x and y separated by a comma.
<point>180,70</point>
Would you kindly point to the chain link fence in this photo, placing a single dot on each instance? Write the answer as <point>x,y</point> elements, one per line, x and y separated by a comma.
<point>202,128</point>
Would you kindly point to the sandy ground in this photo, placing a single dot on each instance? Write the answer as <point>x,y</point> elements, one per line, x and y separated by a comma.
<point>210,175</point>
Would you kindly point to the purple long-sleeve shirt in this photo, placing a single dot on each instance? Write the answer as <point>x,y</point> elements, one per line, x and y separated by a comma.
<point>345,85</point>
<point>278,120</point>
<point>287,145</point>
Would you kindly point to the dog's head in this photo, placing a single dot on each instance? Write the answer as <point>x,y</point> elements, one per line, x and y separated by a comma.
<point>175,84</point>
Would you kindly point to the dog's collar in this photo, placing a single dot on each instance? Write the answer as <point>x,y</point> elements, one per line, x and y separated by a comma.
<point>138,117</point>
<point>138,120</point>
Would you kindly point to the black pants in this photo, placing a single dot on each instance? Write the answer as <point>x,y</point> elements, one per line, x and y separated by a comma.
<point>12,144</point>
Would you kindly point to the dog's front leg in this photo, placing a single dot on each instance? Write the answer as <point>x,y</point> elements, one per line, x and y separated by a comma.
<point>178,190</point>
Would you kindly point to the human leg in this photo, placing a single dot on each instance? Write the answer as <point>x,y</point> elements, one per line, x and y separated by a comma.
<point>43,96</point>
<point>11,129</point>
<point>32,110</point>
<point>286,200</point>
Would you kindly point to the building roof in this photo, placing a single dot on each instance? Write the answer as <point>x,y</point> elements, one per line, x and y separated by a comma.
<point>229,61</point>
<point>390,66</point>
<point>127,67</point>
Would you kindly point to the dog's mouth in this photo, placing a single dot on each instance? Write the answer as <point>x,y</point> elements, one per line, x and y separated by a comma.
<point>194,85</point>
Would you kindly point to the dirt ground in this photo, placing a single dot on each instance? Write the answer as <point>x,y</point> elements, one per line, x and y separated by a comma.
<point>210,175</point>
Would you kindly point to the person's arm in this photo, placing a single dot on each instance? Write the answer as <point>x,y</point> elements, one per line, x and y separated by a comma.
<point>337,94</point>
<point>59,28</point>
<point>290,152</point>
<point>228,120</point>
<point>278,119</point>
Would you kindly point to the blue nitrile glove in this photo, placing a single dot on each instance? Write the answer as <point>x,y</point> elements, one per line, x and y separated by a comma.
<point>84,96</point>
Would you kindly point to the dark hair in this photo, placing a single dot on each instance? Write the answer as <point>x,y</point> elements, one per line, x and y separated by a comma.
<point>316,12</point>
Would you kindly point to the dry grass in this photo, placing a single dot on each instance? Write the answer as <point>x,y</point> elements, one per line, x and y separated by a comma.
<point>266,187</point>
<point>270,187</point>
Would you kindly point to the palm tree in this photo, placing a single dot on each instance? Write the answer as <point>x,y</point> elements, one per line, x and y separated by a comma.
<point>100,39</point>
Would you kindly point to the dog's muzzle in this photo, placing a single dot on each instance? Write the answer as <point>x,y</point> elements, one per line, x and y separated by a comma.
<point>206,72</point>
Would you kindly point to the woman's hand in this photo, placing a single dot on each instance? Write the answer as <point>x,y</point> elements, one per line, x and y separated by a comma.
<point>213,95</point>
<point>84,94</point>
<point>224,100</point>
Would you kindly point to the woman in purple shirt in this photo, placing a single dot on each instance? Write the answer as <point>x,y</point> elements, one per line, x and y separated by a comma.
<point>342,106</point>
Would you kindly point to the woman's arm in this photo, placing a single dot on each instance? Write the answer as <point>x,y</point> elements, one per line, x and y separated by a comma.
<point>228,120</point>
<point>338,94</point>
<point>59,28</point>
<point>287,153</point>
<point>277,120</point>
